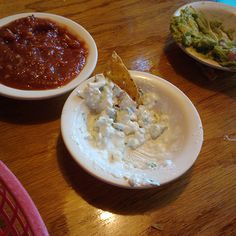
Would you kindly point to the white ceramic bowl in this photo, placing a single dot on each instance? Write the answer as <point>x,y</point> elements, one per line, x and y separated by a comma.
<point>213,11</point>
<point>75,29</point>
<point>183,138</point>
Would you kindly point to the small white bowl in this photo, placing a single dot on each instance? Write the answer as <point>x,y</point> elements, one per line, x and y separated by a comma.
<point>91,62</point>
<point>182,140</point>
<point>213,11</point>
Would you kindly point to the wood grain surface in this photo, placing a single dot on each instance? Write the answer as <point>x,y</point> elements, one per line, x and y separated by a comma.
<point>70,201</point>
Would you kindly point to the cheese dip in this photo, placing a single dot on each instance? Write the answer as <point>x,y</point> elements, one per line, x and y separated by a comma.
<point>119,125</point>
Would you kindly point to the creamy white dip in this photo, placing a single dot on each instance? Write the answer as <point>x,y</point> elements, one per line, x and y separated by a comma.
<point>116,126</point>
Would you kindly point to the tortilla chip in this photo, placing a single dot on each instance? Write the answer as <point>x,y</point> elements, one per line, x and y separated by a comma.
<point>117,72</point>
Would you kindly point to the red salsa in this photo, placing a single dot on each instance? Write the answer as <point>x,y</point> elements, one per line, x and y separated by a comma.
<point>37,53</point>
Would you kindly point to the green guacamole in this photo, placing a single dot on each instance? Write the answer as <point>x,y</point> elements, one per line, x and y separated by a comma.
<point>192,29</point>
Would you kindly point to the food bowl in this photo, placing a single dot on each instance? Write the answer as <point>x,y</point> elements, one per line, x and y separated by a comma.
<point>181,143</point>
<point>213,11</point>
<point>75,29</point>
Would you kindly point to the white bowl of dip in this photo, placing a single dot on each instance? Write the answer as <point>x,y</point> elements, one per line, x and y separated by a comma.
<point>75,29</point>
<point>177,149</point>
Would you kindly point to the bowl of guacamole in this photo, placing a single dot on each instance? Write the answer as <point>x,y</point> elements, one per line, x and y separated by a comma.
<point>206,31</point>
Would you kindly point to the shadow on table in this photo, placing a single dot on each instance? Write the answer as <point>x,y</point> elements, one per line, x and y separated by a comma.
<point>114,199</point>
<point>174,59</point>
<point>31,112</point>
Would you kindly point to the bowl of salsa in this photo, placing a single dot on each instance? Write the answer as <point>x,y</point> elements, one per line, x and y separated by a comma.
<point>43,55</point>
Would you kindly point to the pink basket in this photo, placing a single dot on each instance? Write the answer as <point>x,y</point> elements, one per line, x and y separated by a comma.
<point>18,214</point>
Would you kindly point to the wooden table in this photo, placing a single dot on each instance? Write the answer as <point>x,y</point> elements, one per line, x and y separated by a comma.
<point>71,202</point>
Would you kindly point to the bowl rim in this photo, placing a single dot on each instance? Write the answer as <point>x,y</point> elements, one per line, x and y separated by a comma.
<point>207,3</point>
<point>76,154</point>
<point>87,70</point>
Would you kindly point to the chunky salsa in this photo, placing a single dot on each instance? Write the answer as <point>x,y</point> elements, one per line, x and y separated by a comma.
<point>38,54</point>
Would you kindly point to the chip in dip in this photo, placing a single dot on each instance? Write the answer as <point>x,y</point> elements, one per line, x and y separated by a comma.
<point>116,121</point>
<point>127,143</point>
<point>119,125</point>
<point>117,72</point>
